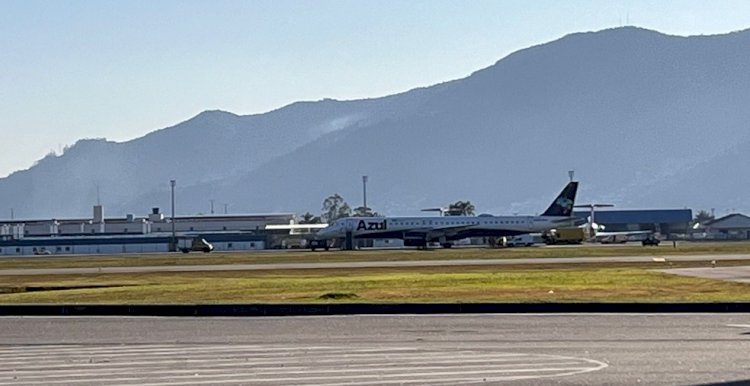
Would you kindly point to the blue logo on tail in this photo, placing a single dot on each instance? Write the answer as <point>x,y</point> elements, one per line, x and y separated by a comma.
<point>565,203</point>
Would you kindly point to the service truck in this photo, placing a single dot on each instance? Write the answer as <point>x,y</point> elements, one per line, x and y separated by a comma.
<point>564,236</point>
<point>195,244</point>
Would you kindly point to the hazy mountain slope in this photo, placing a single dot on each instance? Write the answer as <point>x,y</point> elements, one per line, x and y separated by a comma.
<point>720,183</point>
<point>636,113</point>
<point>211,146</point>
<point>628,109</point>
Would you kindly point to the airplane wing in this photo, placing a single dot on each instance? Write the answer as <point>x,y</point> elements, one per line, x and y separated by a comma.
<point>628,233</point>
<point>618,236</point>
<point>447,231</point>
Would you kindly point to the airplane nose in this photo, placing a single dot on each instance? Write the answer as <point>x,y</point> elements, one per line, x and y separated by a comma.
<point>324,233</point>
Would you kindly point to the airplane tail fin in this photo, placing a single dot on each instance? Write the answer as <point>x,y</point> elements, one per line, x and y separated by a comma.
<point>563,204</point>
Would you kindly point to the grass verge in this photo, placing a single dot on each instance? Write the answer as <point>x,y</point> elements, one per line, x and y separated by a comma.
<point>572,283</point>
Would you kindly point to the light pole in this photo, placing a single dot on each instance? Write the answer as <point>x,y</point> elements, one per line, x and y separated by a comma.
<point>173,246</point>
<point>12,213</point>
<point>212,206</point>
<point>364,194</point>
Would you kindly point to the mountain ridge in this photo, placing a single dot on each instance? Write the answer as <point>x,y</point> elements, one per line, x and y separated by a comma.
<point>628,108</point>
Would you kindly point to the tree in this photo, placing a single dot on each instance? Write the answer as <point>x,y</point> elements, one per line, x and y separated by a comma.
<point>460,208</point>
<point>361,211</point>
<point>309,218</point>
<point>334,207</point>
<point>703,217</point>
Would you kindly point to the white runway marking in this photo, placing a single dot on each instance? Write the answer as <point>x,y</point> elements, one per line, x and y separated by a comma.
<point>191,364</point>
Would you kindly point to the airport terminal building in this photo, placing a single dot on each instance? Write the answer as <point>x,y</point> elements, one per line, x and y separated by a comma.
<point>149,234</point>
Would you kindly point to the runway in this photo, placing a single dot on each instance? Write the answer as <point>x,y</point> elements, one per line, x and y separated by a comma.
<point>367,264</point>
<point>278,364</point>
<point>582,349</point>
<point>738,274</point>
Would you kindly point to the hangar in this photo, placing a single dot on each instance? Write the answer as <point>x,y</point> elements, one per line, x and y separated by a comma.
<point>733,226</point>
<point>670,223</point>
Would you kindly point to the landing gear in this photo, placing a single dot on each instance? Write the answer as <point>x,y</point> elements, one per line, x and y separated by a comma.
<point>415,242</point>
<point>444,242</point>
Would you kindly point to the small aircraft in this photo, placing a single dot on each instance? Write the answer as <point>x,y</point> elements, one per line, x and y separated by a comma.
<point>596,233</point>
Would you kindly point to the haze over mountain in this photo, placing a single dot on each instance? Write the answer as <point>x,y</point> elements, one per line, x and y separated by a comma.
<point>646,120</point>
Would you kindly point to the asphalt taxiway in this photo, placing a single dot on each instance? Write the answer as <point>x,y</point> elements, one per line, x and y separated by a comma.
<point>538,349</point>
<point>370,264</point>
<point>737,274</point>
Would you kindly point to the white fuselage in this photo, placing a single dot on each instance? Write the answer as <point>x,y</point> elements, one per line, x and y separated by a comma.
<point>441,228</point>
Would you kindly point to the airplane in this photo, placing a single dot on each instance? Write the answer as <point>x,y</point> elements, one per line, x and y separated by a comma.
<point>600,236</point>
<point>418,231</point>
<point>595,232</point>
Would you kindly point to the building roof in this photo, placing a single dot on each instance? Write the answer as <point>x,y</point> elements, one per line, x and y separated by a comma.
<point>639,216</point>
<point>236,217</point>
<point>124,220</point>
<point>730,221</point>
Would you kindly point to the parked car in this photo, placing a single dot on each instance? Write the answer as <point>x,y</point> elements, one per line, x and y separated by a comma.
<point>650,240</point>
<point>526,240</point>
<point>314,244</point>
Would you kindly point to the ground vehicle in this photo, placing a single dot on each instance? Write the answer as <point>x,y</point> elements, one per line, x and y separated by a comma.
<point>564,236</point>
<point>198,244</point>
<point>293,242</point>
<point>314,244</point>
<point>650,240</point>
<point>525,240</point>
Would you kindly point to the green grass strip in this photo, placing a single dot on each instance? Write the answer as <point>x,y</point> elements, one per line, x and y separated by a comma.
<point>583,283</point>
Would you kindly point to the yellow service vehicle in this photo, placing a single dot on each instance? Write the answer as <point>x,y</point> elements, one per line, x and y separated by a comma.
<point>564,236</point>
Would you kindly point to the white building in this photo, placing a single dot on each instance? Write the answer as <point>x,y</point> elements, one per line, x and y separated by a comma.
<point>130,234</point>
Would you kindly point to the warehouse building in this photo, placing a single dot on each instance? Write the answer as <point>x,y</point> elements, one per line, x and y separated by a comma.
<point>734,226</point>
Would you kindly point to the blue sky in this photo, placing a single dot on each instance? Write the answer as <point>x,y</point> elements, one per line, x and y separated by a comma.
<point>120,69</point>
